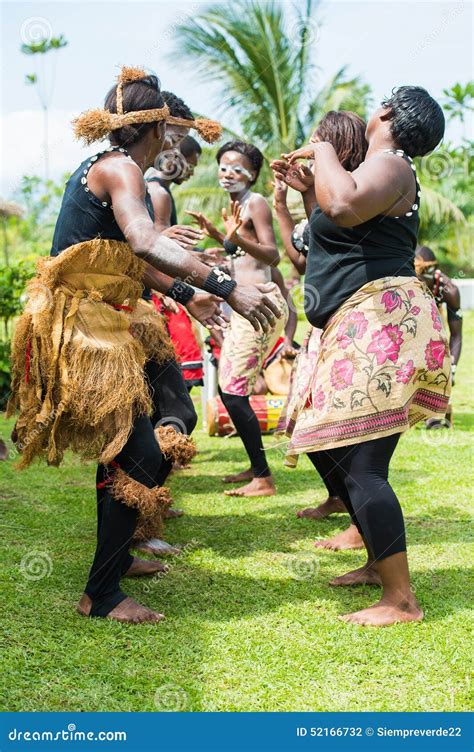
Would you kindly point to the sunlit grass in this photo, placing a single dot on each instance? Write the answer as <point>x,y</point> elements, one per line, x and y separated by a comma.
<point>251,622</point>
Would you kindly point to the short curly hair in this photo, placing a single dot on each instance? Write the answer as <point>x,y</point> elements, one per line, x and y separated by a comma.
<point>247,150</point>
<point>176,106</point>
<point>417,120</point>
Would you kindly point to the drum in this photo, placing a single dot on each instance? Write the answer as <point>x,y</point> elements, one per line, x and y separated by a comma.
<point>267,409</point>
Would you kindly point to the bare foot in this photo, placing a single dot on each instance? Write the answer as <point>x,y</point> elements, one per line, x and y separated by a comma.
<point>3,450</point>
<point>366,575</point>
<point>143,567</point>
<point>332,505</point>
<point>127,610</point>
<point>386,612</point>
<point>239,477</point>
<point>348,539</point>
<point>84,606</point>
<point>256,487</point>
<point>156,547</point>
<point>170,514</point>
<point>130,611</point>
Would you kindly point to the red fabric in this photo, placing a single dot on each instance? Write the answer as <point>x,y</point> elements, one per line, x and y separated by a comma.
<point>271,355</point>
<point>188,352</point>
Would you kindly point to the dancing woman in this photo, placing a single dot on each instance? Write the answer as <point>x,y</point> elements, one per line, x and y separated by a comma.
<point>346,132</point>
<point>78,371</point>
<point>384,360</point>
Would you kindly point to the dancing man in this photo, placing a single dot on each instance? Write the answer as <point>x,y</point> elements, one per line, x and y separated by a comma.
<point>249,241</point>
<point>78,371</point>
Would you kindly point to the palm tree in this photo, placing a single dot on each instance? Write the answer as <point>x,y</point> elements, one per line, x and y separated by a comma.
<point>263,59</point>
<point>459,102</point>
<point>44,83</point>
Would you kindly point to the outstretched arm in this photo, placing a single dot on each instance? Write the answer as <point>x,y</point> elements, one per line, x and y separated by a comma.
<point>126,188</point>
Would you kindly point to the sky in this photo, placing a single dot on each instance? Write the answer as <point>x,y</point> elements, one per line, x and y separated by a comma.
<point>387,43</point>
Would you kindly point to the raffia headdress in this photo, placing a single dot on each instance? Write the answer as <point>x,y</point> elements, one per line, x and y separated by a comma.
<point>95,125</point>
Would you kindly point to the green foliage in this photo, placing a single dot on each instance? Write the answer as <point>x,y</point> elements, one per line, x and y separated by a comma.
<point>42,46</point>
<point>262,55</point>
<point>31,235</point>
<point>12,297</point>
<point>4,372</point>
<point>459,100</point>
<point>12,288</point>
<point>447,205</point>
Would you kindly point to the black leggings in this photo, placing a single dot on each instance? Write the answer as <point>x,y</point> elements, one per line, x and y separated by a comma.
<point>140,458</point>
<point>359,475</point>
<point>172,404</point>
<point>248,428</point>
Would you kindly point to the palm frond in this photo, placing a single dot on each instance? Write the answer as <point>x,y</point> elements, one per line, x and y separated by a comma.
<point>438,209</point>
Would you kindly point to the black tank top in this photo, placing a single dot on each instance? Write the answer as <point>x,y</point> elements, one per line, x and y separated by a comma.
<point>174,215</point>
<point>341,260</point>
<point>82,215</point>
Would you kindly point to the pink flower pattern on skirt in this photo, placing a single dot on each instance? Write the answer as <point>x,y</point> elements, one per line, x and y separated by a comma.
<point>319,399</point>
<point>435,352</point>
<point>386,343</point>
<point>405,372</point>
<point>435,317</point>
<point>391,300</point>
<point>380,368</point>
<point>353,326</point>
<point>342,372</point>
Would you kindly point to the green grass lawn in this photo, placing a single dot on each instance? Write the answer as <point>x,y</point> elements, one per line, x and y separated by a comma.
<point>251,622</point>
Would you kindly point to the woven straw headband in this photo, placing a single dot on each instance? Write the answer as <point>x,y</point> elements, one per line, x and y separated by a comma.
<point>95,125</point>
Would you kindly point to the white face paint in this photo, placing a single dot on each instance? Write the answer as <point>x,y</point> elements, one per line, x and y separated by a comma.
<point>230,177</point>
<point>237,187</point>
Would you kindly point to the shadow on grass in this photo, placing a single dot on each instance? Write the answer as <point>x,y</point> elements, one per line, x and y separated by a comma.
<point>222,597</point>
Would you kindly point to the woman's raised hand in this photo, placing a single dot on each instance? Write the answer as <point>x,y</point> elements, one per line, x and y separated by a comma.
<point>233,222</point>
<point>206,225</point>
<point>304,152</point>
<point>297,176</point>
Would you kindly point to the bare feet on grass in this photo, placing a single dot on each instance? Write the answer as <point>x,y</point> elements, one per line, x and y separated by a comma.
<point>332,505</point>
<point>156,547</point>
<point>386,612</point>
<point>397,604</point>
<point>366,575</point>
<point>239,477</point>
<point>170,514</point>
<point>143,567</point>
<point>344,541</point>
<point>128,611</point>
<point>256,487</point>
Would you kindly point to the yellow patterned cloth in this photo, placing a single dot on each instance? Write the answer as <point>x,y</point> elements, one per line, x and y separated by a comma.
<point>79,350</point>
<point>244,350</point>
<point>380,364</point>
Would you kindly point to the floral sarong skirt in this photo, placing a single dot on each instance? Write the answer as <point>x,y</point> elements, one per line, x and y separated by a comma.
<point>380,365</point>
